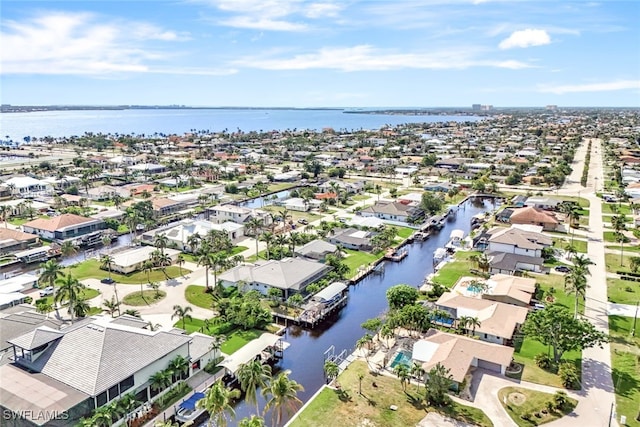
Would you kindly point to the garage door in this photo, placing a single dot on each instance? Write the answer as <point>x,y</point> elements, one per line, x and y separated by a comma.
<point>495,367</point>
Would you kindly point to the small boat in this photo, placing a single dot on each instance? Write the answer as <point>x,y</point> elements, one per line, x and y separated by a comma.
<point>187,410</point>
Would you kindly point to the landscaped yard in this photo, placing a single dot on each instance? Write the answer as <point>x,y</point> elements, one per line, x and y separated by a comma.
<point>91,268</point>
<point>346,408</point>
<point>556,281</point>
<point>530,403</point>
<point>562,243</point>
<point>197,296</point>
<point>143,298</point>
<point>530,348</point>
<point>356,259</point>
<point>85,294</point>
<point>625,360</point>
<point>623,291</point>
<point>404,232</point>
<point>453,270</point>
<point>238,338</point>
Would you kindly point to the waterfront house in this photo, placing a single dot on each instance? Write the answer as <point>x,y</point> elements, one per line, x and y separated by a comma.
<point>509,263</point>
<point>458,354</point>
<point>179,234</point>
<point>316,250</point>
<point>352,238</point>
<point>290,275</point>
<point>64,227</point>
<point>393,211</point>
<point>296,204</point>
<point>18,320</point>
<point>504,288</point>
<point>164,207</point>
<point>518,239</point>
<point>89,364</point>
<point>535,216</point>
<point>542,202</point>
<point>107,192</point>
<point>498,321</point>
<point>15,240</point>
<point>240,215</point>
<point>27,187</point>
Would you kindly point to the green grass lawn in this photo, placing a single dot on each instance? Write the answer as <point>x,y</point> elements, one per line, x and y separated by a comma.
<point>524,401</point>
<point>238,338</point>
<point>614,208</point>
<point>85,294</point>
<point>91,268</point>
<point>197,296</point>
<point>146,297</point>
<point>606,218</point>
<point>580,245</point>
<point>279,186</point>
<point>454,270</point>
<point>348,408</point>
<point>404,232</point>
<point>625,360</point>
<point>609,237</point>
<point>294,215</point>
<point>234,251</point>
<point>627,248</point>
<point>530,348</point>
<point>360,197</point>
<point>612,261</point>
<point>623,291</point>
<point>355,259</point>
<point>556,281</point>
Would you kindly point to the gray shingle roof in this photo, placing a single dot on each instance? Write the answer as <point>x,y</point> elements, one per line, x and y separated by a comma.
<point>40,336</point>
<point>91,358</point>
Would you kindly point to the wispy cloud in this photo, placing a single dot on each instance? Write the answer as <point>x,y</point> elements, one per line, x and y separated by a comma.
<point>76,43</point>
<point>591,87</point>
<point>272,15</point>
<point>367,58</point>
<point>525,38</point>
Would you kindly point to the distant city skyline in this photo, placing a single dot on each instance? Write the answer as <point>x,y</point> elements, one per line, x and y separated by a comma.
<point>297,53</point>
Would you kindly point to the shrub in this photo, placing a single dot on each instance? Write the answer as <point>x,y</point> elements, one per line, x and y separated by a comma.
<point>569,376</point>
<point>526,416</point>
<point>560,400</point>
<point>628,289</point>
<point>542,360</point>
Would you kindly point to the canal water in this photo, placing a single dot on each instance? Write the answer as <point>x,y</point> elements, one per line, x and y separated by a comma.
<point>367,299</point>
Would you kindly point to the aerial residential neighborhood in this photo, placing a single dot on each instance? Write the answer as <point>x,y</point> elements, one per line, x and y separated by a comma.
<point>140,272</point>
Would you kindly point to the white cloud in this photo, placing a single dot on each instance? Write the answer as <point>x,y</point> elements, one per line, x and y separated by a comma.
<point>266,24</point>
<point>367,58</point>
<point>591,87</point>
<point>66,43</point>
<point>525,38</point>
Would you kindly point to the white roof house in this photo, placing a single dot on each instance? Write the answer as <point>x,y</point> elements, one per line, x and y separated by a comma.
<point>131,260</point>
<point>26,186</point>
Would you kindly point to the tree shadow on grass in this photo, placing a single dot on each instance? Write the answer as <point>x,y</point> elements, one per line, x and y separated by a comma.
<point>416,401</point>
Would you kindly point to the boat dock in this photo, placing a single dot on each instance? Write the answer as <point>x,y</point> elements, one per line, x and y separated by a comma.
<point>321,306</point>
<point>395,255</point>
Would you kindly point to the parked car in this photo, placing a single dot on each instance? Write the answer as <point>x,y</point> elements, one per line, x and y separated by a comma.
<point>303,221</point>
<point>46,291</point>
<point>562,269</point>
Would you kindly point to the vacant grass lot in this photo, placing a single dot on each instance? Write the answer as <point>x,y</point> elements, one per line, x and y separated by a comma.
<point>143,298</point>
<point>625,360</point>
<point>91,269</point>
<point>615,208</point>
<point>347,408</point>
<point>524,401</point>
<point>623,291</point>
<point>356,259</point>
<point>613,261</point>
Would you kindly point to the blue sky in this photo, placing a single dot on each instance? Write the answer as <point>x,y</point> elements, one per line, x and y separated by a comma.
<point>297,53</point>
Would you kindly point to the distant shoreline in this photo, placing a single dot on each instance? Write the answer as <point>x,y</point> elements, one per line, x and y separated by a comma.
<point>39,108</point>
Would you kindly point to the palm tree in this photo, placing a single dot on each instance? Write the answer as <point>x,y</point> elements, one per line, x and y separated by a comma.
<point>254,421</point>
<point>464,322</point>
<point>180,262</point>
<point>417,371</point>
<point>160,380</point>
<point>50,272</point>
<point>182,313</point>
<point>255,225</point>
<point>147,267</point>
<point>474,322</point>
<point>105,263</point>
<point>576,282</point>
<point>69,289</point>
<point>268,238</point>
<point>111,306</point>
<point>283,395</point>
<point>103,416</point>
<point>160,241</point>
<point>216,343</point>
<point>252,376</point>
<point>402,372</point>
<point>217,401</point>
<point>331,370</point>
<point>193,242</point>
<point>68,249</point>
<point>4,214</point>
<point>156,287</point>
<point>179,366</point>
<point>619,224</point>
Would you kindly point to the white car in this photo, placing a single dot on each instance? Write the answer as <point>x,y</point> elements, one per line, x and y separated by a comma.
<point>46,291</point>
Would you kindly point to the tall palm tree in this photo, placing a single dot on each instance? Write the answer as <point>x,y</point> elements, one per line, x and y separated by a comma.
<point>160,241</point>
<point>68,249</point>
<point>252,376</point>
<point>50,272</point>
<point>255,226</point>
<point>182,313</point>
<point>69,289</point>
<point>193,242</point>
<point>217,402</point>
<point>402,372</point>
<point>268,238</point>
<point>105,262</point>
<point>180,367</point>
<point>160,380</point>
<point>111,306</point>
<point>283,395</point>
<point>180,262</point>
<point>417,371</point>
<point>619,224</point>
<point>576,282</point>
<point>4,214</point>
<point>474,322</point>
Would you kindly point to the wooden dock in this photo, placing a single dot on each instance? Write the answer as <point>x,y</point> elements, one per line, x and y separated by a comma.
<point>396,256</point>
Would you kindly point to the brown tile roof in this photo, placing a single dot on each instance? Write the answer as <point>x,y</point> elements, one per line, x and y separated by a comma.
<point>162,203</point>
<point>532,215</point>
<point>9,234</point>
<point>58,222</point>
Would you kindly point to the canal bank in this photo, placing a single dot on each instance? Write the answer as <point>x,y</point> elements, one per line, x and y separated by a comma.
<point>367,299</point>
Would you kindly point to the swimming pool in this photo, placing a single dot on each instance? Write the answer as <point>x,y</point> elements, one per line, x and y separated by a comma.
<point>402,357</point>
<point>475,288</point>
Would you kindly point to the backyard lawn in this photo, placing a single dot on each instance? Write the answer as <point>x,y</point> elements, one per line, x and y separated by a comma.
<point>347,407</point>
<point>522,401</point>
<point>91,269</point>
<point>579,245</point>
<point>454,270</point>
<point>356,259</point>
<point>404,232</point>
<point>554,281</point>
<point>623,291</point>
<point>625,360</point>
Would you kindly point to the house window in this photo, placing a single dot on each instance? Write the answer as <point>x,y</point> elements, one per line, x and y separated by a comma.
<point>101,399</point>
<point>113,392</point>
<point>126,384</point>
